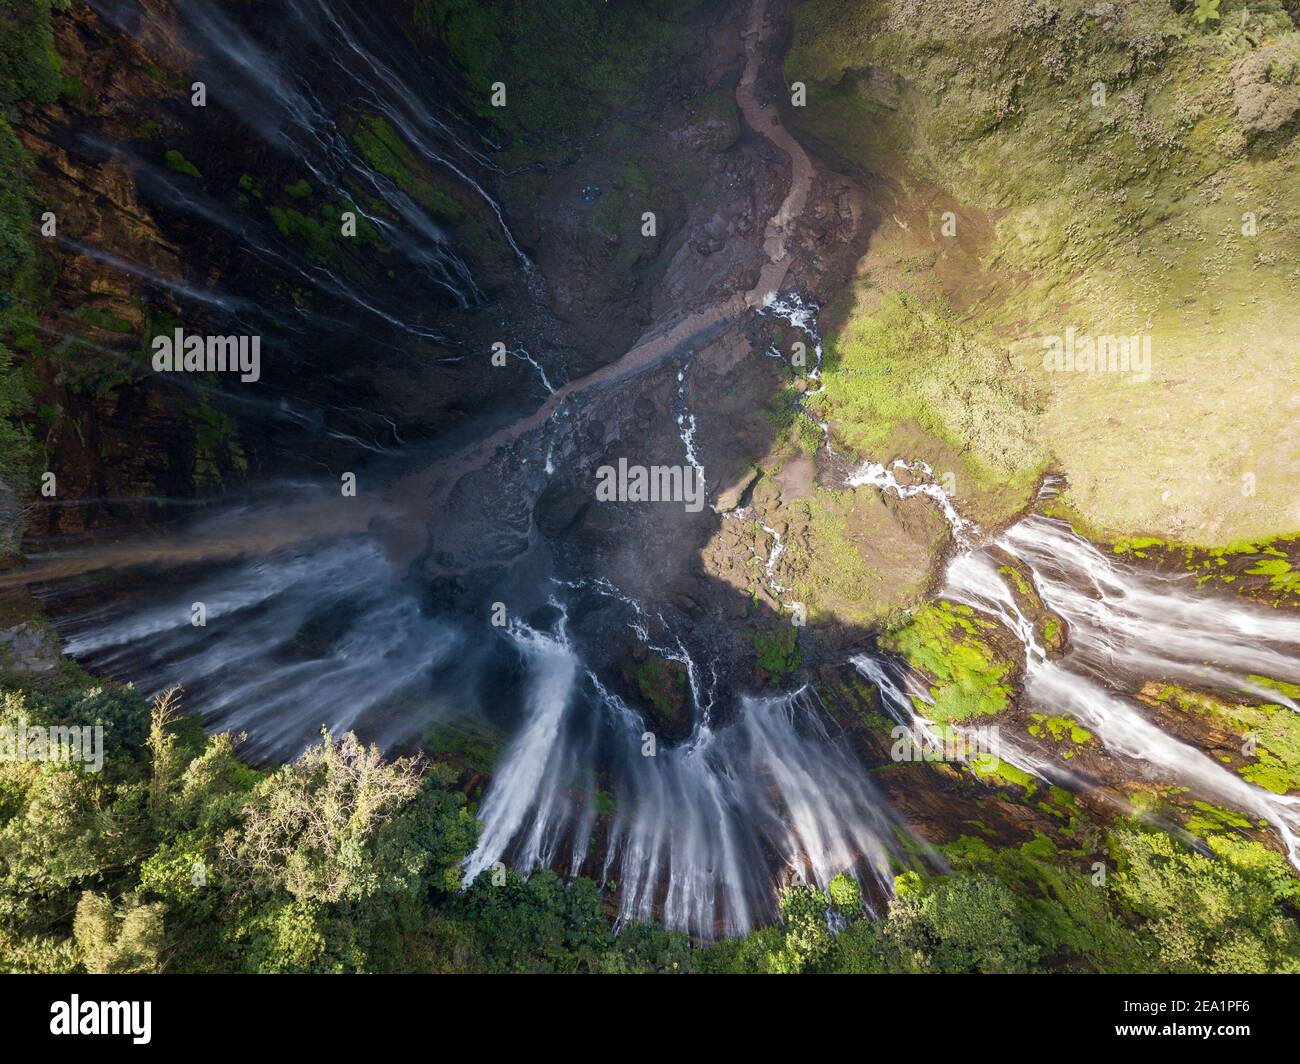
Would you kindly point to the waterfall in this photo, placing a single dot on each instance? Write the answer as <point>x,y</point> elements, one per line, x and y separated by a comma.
<point>1125,627</point>
<point>291,641</point>
<point>529,769</point>
<point>692,827</point>
<point>321,628</point>
<point>248,81</point>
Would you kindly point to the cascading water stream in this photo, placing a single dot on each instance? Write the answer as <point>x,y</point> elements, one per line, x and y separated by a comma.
<point>794,310</point>
<point>1125,626</point>
<point>886,479</point>
<point>692,826</point>
<point>280,107</point>
<point>701,834</point>
<point>285,643</point>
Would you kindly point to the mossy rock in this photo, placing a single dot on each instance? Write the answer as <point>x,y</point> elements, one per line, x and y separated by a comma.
<point>956,650</point>
<point>661,691</point>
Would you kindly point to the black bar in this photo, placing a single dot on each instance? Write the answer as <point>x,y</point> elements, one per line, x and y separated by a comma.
<point>342,1013</point>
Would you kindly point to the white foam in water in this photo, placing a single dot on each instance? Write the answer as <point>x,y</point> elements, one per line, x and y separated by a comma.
<point>1125,626</point>
<point>686,426</point>
<point>687,839</point>
<point>528,764</point>
<point>923,483</point>
<point>791,308</point>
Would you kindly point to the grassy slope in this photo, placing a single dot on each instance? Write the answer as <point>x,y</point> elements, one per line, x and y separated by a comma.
<point>1118,219</point>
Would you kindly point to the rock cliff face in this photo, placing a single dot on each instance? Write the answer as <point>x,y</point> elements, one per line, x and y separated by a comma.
<point>524,229</point>
<point>105,430</point>
<point>27,649</point>
<point>224,218</point>
<point>652,257</point>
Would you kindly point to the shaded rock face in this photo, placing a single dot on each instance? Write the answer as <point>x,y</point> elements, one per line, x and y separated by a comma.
<point>108,433</point>
<point>29,650</point>
<point>174,215</point>
<point>346,385</point>
<point>343,383</point>
<point>11,520</point>
<point>533,507</point>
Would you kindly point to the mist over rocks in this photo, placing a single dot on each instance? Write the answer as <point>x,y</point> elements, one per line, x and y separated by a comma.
<point>653,429</point>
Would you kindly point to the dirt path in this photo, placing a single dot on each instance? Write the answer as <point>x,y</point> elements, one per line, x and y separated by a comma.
<point>399,514</point>
<point>768,123</point>
<point>432,486</point>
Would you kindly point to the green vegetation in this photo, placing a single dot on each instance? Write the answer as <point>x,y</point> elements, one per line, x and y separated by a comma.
<point>179,857</point>
<point>534,48</point>
<point>1121,170</point>
<point>1062,730</point>
<point>216,444</point>
<point>321,235</point>
<point>1208,915</point>
<point>947,641</point>
<point>788,420</point>
<point>994,770</point>
<point>1280,574</point>
<point>469,748</point>
<point>662,682</point>
<point>1206,11</point>
<point>29,66</point>
<point>29,74</point>
<point>846,557</point>
<point>1160,907</point>
<point>1052,636</point>
<point>1270,733</point>
<point>177,162</point>
<point>384,150</point>
<point>959,392</point>
<point>1209,820</point>
<point>1227,563</point>
<point>845,895</point>
<point>778,651</point>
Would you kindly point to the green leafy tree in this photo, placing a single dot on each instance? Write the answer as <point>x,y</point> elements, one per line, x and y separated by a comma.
<point>164,756</point>
<point>807,939</point>
<point>534,924</point>
<point>315,829</point>
<point>1209,914</point>
<point>129,940</point>
<point>846,895</point>
<point>955,924</point>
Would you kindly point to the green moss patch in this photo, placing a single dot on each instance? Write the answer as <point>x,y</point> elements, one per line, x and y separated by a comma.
<point>385,150</point>
<point>662,683</point>
<point>1270,734</point>
<point>181,165</point>
<point>949,643</point>
<point>1063,731</point>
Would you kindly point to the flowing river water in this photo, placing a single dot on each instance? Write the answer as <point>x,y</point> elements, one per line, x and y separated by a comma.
<point>311,618</point>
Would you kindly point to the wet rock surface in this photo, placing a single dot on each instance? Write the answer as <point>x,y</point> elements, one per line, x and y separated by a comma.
<point>661,350</point>
<point>29,649</point>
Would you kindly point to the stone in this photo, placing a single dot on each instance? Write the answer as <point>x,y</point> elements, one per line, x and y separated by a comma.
<point>27,649</point>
